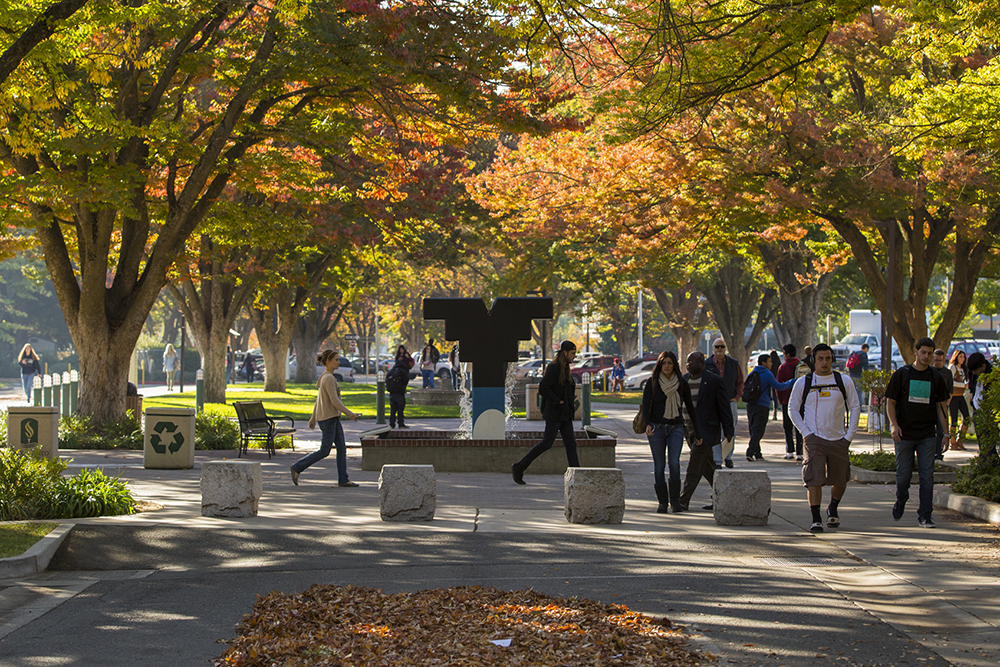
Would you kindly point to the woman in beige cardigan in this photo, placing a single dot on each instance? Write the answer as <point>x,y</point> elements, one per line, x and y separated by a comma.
<point>327,413</point>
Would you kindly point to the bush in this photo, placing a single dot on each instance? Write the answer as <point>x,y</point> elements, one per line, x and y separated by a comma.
<point>78,432</point>
<point>980,478</point>
<point>878,461</point>
<point>215,431</point>
<point>32,487</point>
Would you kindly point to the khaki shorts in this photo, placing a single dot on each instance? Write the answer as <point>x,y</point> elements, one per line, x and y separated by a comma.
<point>827,462</point>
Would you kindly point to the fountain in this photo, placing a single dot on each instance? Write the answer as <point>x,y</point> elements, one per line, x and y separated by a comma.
<point>488,340</point>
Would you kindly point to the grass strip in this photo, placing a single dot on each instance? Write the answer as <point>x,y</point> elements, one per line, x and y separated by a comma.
<point>16,538</point>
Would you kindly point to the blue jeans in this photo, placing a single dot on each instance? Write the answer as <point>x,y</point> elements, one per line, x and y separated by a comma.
<point>333,432</point>
<point>428,377</point>
<point>924,450</point>
<point>666,444</point>
<point>27,382</point>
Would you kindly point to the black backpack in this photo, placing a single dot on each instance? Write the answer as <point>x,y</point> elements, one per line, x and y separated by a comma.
<point>752,389</point>
<point>397,379</point>
<point>838,378</point>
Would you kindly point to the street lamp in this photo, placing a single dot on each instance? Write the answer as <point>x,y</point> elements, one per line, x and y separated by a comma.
<point>380,399</point>
<point>585,416</point>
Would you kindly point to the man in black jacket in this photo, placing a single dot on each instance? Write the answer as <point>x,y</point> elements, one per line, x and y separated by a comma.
<point>714,418</point>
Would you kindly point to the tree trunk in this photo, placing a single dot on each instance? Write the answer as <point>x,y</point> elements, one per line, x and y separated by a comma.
<point>799,302</point>
<point>274,333</point>
<point>313,327</point>
<point>211,308</point>
<point>919,240</point>
<point>734,300</point>
<point>687,315</point>
<point>104,362</point>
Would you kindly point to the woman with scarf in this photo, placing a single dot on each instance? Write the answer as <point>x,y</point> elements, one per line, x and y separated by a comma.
<point>665,391</point>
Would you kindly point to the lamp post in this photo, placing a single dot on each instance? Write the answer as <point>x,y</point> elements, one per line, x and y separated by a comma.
<point>380,397</point>
<point>585,378</point>
<point>199,390</point>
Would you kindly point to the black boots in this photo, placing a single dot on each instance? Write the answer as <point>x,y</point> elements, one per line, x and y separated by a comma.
<point>517,471</point>
<point>675,496</point>
<point>662,497</point>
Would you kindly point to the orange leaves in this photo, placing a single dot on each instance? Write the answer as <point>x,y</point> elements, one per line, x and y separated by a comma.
<point>346,625</point>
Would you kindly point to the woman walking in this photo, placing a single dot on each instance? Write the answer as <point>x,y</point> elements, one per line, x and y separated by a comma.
<point>170,364</point>
<point>661,408</point>
<point>958,403</point>
<point>558,392</point>
<point>327,413</point>
<point>28,361</point>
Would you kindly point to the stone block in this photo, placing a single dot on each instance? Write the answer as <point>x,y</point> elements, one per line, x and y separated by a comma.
<point>741,497</point>
<point>231,488</point>
<point>407,493</point>
<point>594,495</point>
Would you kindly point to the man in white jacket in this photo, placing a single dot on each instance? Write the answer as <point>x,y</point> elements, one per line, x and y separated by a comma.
<point>819,407</point>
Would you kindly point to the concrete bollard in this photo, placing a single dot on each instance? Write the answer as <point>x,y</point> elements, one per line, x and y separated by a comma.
<point>231,488</point>
<point>407,493</point>
<point>594,495</point>
<point>741,497</point>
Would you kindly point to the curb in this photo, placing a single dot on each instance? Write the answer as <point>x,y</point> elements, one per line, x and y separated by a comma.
<point>968,505</point>
<point>35,559</point>
<point>865,476</point>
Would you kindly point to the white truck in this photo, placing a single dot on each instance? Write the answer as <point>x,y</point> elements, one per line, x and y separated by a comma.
<point>865,322</point>
<point>865,327</point>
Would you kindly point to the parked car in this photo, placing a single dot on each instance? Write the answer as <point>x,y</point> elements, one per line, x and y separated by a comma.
<point>594,365</point>
<point>638,375</point>
<point>442,369</point>
<point>344,374</point>
<point>258,359</point>
<point>970,345</point>
<point>529,368</point>
<point>290,368</point>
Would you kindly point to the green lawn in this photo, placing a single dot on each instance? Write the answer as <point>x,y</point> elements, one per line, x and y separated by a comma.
<point>16,538</point>
<point>298,402</point>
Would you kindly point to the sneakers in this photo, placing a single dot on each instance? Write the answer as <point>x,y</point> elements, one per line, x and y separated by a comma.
<point>758,458</point>
<point>832,520</point>
<point>926,523</point>
<point>749,459</point>
<point>729,463</point>
<point>517,473</point>
<point>708,507</point>
<point>897,510</point>
<point>789,457</point>
<point>816,527</point>
<point>295,477</point>
<point>799,457</point>
<point>350,485</point>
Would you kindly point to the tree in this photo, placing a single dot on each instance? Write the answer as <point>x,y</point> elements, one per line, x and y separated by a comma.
<point>126,131</point>
<point>20,18</point>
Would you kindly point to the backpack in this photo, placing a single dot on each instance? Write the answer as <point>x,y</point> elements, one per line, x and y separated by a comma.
<point>397,379</point>
<point>804,368</point>
<point>854,360</point>
<point>838,378</point>
<point>752,389</point>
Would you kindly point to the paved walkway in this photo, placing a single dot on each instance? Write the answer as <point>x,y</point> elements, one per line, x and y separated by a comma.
<point>164,586</point>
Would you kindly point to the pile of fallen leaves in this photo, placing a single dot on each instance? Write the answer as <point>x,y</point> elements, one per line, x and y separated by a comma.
<point>346,625</point>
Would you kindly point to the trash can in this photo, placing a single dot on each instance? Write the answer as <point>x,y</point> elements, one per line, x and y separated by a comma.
<point>168,439</point>
<point>34,428</point>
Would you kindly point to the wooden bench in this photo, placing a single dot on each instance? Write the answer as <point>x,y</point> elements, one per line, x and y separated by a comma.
<point>256,425</point>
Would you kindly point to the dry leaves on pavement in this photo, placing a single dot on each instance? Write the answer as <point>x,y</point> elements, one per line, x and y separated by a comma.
<point>346,625</point>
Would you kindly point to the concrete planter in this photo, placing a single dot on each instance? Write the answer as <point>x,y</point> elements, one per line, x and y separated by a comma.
<point>435,397</point>
<point>968,505</point>
<point>865,476</point>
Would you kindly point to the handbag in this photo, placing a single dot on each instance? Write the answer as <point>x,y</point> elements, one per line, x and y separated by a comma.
<point>638,423</point>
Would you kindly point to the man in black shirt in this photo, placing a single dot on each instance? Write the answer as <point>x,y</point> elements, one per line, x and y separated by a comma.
<point>915,400</point>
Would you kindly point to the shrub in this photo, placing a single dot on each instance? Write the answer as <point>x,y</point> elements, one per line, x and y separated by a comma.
<point>32,487</point>
<point>980,478</point>
<point>79,432</point>
<point>215,431</point>
<point>3,427</point>
<point>878,461</point>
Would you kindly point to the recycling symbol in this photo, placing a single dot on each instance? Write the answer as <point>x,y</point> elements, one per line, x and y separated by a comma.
<point>156,439</point>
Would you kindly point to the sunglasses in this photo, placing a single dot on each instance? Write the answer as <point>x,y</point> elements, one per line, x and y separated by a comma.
<point>719,347</point>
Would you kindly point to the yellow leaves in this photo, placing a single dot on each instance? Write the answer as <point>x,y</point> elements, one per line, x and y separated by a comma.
<point>361,626</point>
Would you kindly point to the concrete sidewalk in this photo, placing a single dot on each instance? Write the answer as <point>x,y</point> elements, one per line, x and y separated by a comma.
<point>168,584</point>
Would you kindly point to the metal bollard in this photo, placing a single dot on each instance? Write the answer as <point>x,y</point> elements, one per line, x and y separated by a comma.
<point>64,401</point>
<point>47,391</point>
<point>36,391</point>
<point>74,391</point>
<point>199,390</point>
<point>380,397</point>
<point>585,417</point>
<point>56,390</point>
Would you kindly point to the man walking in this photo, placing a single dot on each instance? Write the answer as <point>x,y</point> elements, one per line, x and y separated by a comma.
<point>786,371</point>
<point>729,370</point>
<point>915,400</point>
<point>758,406</point>
<point>949,381</point>
<point>819,403</point>
<point>857,365</point>
<point>714,418</point>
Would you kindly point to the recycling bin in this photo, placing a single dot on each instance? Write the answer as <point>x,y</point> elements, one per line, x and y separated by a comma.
<point>168,439</point>
<point>31,427</point>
